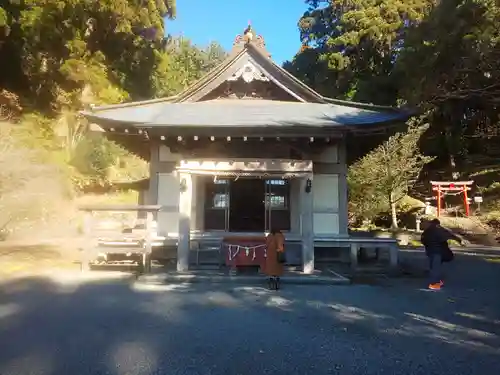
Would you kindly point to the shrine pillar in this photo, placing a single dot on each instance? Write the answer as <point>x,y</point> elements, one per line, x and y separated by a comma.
<point>330,192</point>
<point>154,160</point>
<point>307,225</point>
<point>343,206</point>
<point>163,190</point>
<point>185,212</point>
<point>198,202</point>
<point>295,209</point>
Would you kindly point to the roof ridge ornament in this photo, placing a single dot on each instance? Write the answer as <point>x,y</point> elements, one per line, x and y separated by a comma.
<point>248,34</point>
<point>250,37</point>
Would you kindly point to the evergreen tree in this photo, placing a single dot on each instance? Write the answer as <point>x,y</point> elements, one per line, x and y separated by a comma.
<point>384,176</point>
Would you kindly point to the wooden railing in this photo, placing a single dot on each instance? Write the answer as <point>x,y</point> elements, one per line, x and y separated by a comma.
<point>132,240</point>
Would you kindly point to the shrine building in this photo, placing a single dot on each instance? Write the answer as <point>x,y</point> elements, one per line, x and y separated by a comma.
<point>247,148</point>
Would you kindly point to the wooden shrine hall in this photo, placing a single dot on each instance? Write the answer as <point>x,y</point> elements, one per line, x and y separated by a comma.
<point>245,149</point>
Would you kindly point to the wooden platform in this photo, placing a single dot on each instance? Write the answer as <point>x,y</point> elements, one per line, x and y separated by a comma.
<point>207,247</point>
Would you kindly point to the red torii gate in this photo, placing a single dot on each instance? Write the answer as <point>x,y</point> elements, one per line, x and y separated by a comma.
<point>443,186</point>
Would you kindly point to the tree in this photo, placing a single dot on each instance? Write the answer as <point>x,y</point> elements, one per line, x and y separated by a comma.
<point>183,63</point>
<point>102,52</point>
<point>359,41</point>
<point>310,68</point>
<point>365,201</point>
<point>93,157</point>
<point>457,47</point>
<point>107,44</point>
<point>386,174</point>
<point>64,55</point>
<point>439,56</point>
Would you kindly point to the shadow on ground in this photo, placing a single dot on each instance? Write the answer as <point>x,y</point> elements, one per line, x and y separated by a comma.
<point>103,324</point>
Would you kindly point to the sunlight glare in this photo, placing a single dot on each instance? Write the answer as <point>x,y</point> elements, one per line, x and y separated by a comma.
<point>134,358</point>
<point>8,310</point>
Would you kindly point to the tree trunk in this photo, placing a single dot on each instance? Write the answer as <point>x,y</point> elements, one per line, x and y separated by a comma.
<point>455,174</point>
<point>394,214</point>
<point>454,137</point>
<point>450,146</point>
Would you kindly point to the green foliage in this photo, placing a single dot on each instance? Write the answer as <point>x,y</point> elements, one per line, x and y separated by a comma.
<point>104,48</point>
<point>365,201</point>
<point>384,176</point>
<point>441,57</point>
<point>93,157</point>
<point>4,24</point>
<point>182,64</point>
<point>408,204</point>
<point>3,17</point>
<point>63,56</point>
<point>357,43</point>
<point>101,52</point>
<point>457,47</point>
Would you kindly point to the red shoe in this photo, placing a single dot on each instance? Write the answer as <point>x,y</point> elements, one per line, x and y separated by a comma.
<point>436,286</point>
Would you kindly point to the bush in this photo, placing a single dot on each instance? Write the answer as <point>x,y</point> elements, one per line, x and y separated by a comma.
<point>93,157</point>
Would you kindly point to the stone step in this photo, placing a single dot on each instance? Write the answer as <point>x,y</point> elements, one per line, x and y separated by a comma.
<point>205,267</point>
<point>226,277</point>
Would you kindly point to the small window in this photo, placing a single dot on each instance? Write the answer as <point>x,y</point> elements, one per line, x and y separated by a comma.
<point>217,194</point>
<point>220,201</point>
<point>276,201</point>
<point>275,182</point>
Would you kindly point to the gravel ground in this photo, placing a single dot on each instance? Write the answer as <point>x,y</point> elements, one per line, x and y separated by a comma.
<point>66,323</point>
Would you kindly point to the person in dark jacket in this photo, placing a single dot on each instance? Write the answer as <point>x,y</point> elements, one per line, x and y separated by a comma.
<point>435,240</point>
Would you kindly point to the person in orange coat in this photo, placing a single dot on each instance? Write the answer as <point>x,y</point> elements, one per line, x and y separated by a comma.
<point>275,243</point>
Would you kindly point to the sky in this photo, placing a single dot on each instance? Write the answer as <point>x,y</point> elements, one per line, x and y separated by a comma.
<point>204,21</point>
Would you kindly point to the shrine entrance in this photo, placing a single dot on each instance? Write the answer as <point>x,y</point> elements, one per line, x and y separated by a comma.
<point>443,188</point>
<point>247,204</point>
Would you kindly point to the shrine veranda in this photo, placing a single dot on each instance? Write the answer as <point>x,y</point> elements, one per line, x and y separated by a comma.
<point>245,149</point>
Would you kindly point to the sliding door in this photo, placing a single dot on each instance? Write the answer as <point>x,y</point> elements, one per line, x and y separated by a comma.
<point>217,205</point>
<point>277,205</point>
